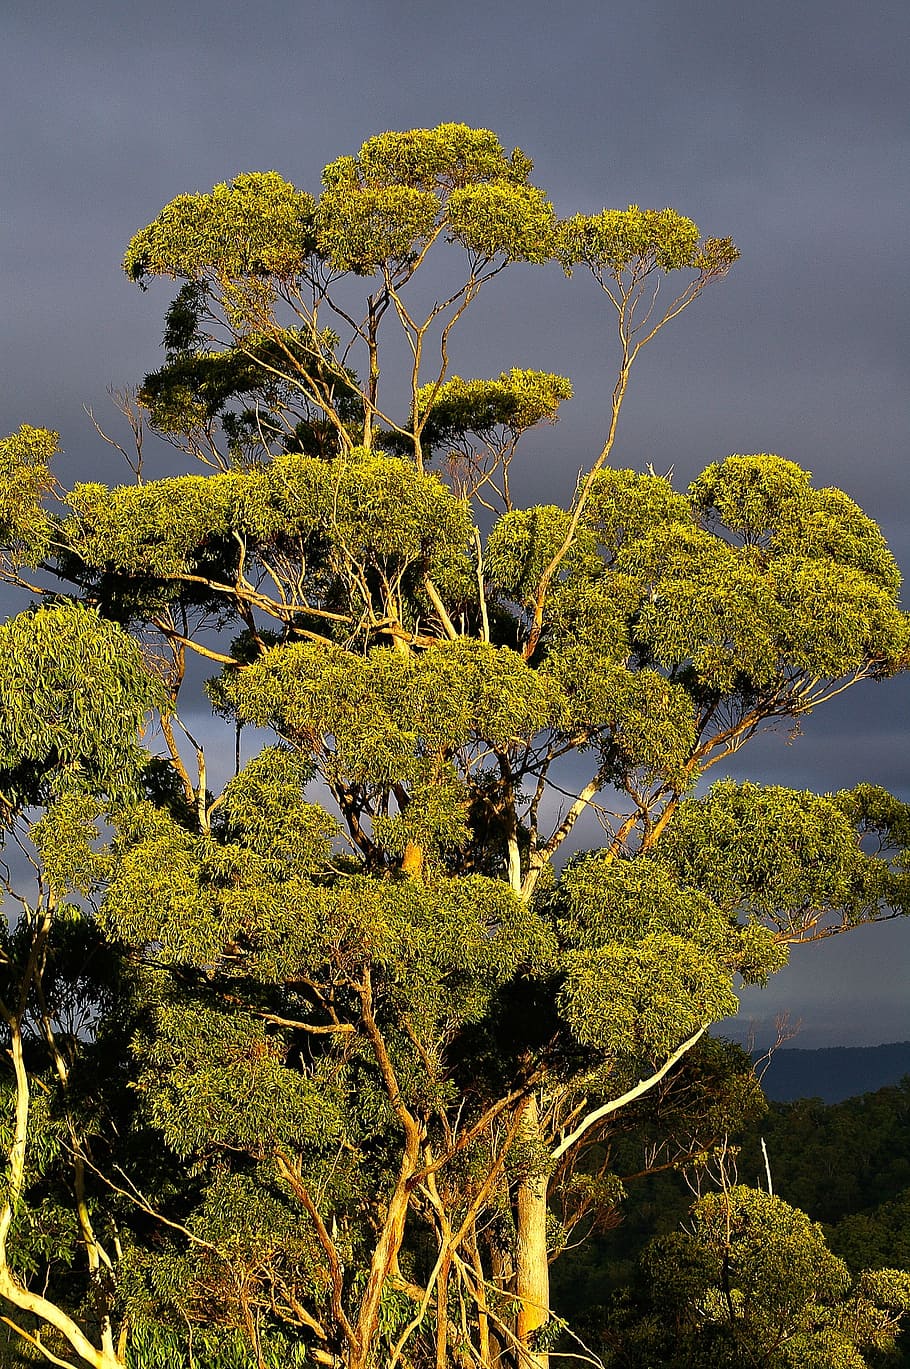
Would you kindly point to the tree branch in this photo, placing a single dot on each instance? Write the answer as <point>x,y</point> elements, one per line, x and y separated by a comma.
<point>642,1087</point>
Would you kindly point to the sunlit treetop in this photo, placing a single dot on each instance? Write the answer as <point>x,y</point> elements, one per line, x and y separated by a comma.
<point>385,713</point>
<point>383,205</point>
<point>648,956</point>
<point>753,574</point>
<point>767,502</point>
<point>515,401</point>
<point>260,259</point>
<point>257,224</point>
<point>25,481</point>
<point>616,239</point>
<point>442,159</point>
<point>474,427</point>
<point>403,189</point>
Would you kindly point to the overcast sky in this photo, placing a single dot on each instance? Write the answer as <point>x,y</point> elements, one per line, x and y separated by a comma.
<point>783,125</point>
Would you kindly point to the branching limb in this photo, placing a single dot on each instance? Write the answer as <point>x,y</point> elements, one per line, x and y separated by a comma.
<point>439,606</point>
<point>33,1340</point>
<point>642,1087</point>
<point>292,1178</point>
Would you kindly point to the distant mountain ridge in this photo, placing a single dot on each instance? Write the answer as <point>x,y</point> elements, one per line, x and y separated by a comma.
<point>835,1073</point>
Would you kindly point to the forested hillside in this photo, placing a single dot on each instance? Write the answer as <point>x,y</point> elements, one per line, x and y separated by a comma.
<point>835,1073</point>
<point>846,1165</point>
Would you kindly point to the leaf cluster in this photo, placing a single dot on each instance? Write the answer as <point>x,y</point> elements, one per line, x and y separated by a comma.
<point>753,1282</point>
<point>26,529</point>
<point>76,693</point>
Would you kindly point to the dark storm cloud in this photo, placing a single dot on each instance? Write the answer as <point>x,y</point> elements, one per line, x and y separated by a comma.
<point>848,990</point>
<point>781,124</point>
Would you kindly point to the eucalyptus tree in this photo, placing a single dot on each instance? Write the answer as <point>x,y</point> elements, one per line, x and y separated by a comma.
<point>371,1026</point>
<point>752,1282</point>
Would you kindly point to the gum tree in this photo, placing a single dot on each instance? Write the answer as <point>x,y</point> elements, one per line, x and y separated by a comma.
<point>752,1281</point>
<point>371,1027</point>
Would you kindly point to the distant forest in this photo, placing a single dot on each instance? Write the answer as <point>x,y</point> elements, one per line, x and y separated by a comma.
<point>847,1165</point>
<point>835,1073</point>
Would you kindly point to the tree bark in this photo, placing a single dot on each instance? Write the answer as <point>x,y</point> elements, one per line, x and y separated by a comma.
<point>532,1270</point>
<point>11,1290</point>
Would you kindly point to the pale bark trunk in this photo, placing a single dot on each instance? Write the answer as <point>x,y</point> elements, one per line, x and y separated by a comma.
<point>532,1270</point>
<point>105,1357</point>
<point>384,1259</point>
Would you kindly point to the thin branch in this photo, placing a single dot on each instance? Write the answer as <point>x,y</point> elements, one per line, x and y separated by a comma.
<point>481,591</point>
<point>290,1175</point>
<point>32,1340</point>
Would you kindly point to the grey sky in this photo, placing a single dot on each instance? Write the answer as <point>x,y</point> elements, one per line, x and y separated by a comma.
<point>784,125</point>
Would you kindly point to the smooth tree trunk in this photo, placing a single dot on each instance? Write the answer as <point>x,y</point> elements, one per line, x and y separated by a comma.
<point>105,1356</point>
<point>532,1270</point>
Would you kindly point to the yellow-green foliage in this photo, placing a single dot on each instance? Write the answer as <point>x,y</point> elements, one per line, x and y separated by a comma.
<point>518,400</point>
<point>362,227</point>
<point>386,204</point>
<point>503,219</point>
<point>69,840</point>
<point>440,159</point>
<point>624,507</point>
<point>770,503</point>
<point>75,693</point>
<point>155,895</point>
<point>215,1078</point>
<point>523,543</point>
<point>256,224</point>
<point>265,811</point>
<point>781,577</point>
<point>652,958</point>
<point>157,529</point>
<point>785,855</point>
<point>643,239</point>
<point>384,715</point>
<point>646,723</point>
<point>372,508</point>
<point>380,207</point>
<point>25,527</point>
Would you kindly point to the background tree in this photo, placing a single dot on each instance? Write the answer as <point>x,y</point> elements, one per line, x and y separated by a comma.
<point>370,1027</point>
<point>843,1165</point>
<point>752,1282</point>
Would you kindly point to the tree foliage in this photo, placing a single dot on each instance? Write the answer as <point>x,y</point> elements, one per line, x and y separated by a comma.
<point>752,1282</point>
<point>359,1025</point>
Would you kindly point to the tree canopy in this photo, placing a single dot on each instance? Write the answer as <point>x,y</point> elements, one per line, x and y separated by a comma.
<point>752,1282</point>
<point>305,1047</point>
